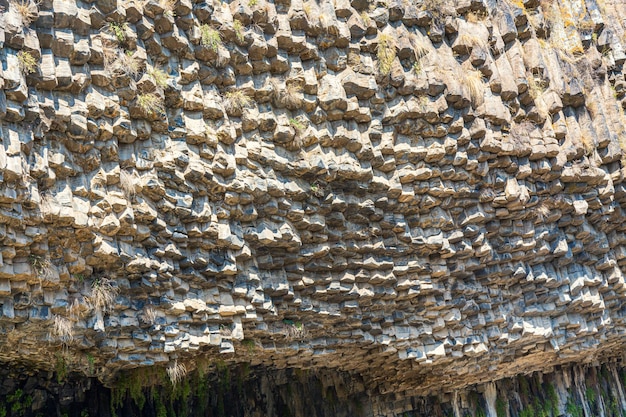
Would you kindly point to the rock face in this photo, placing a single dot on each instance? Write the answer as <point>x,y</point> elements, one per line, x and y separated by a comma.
<point>422,195</point>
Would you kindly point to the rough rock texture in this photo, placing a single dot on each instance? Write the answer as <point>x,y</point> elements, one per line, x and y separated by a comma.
<point>425,195</point>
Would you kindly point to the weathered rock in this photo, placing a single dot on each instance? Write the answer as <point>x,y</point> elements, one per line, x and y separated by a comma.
<point>425,216</point>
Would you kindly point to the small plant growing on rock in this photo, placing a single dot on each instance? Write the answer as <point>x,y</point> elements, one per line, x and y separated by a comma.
<point>150,103</point>
<point>91,364</point>
<point>296,331</point>
<point>536,86</point>
<point>421,47</point>
<point>417,67</point>
<point>573,409</point>
<point>159,77</point>
<point>500,407</point>
<point>308,10</point>
<point>27,62</point>
<point>226,330</point>
<point>60,367</point>
<point>299,126</point>
<point>253,3</point>
<point>237,100</point>
<point>386,54</point>
<point>468,42</point>
<point>249,344</point>
<point>296,124</point>
<point>238,26</point>
<point>119,31</point>
<point>436,8</point>
<point>27,10</point>
<point>317,190</point>
<point>210,37</point>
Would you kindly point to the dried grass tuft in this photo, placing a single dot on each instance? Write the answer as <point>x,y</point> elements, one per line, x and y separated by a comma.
<point>27,9</point>
<point>149,315</point>
<point>63,328</point>
<point>151,103</point>
<point>386,53</point>
<point>73,309</point>
<point>236,100</point>
<point>476,16</point>
<point>470,42</point>
<point>117,62</point>
<point>42,266</point>
<point>542,210</point>
<point>473,82</point>
<point>290,96</point>
<point>176,372</point>
<point>127,184</point>
<point>103,294</point>
<point>588,144</point>
<point>168,7</point>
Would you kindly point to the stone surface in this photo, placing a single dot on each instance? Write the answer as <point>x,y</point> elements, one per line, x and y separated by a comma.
<point>188,182</point>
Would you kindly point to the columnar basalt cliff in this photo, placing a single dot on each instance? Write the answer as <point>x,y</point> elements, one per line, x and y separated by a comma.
<point>418,196</point>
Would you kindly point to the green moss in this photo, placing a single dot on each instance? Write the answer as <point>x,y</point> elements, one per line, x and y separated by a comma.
<point>591,396</point>
<point>249,345</point>
<point>523,386</point>
<point>136,393</point>
<point>500,407</point>
<point>19,404</point>
<point>527,412</point>
<point>474,400</point>
<point>201,391</point>
<point>573,409</point>
<point>160,409</point>
<point>60,368</point>
<point>92,363</point>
